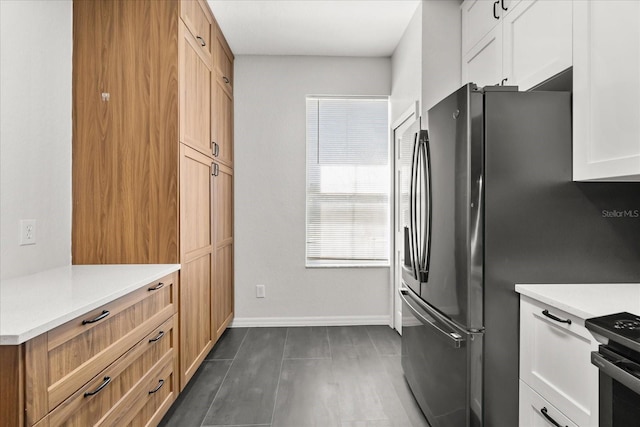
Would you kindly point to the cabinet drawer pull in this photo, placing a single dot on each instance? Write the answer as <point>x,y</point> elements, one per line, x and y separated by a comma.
<point>216,169</point>
<point>156,287</point>
<point>161,383</point>
<point>106,381</point>
<point>104,314</point>
<point>549,418</point>
<point>202,42</point>
<point>495,14</point>
<point>226,80</point>
<point>556,318</point>
<point>216,149</point>
<point>502,6</point>
<point>158,337</point>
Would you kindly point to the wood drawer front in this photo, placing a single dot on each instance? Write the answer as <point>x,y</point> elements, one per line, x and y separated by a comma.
<point>128,376</point>
<point>531,410</point>
<point>76,351</point>
<point>196,17</point>
<point>555,360</point>
<point>149,407</point>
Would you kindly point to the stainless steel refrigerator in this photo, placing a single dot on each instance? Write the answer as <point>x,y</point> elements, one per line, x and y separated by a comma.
<point>492,204</point>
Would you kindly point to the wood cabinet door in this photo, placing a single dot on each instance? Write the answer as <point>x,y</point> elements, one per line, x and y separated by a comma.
<point>482,65</point>
<point>223,280</point>
<point>606,90</point>
<point>196,275</point>
<point>195,93</point>
<point>537,38</point>
<point>223,112</point>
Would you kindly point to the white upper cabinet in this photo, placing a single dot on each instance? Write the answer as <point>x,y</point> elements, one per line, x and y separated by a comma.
<point>519,42</point>
<point>537,38</point>
<point>606,90</point>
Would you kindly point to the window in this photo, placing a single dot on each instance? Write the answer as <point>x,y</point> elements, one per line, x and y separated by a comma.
<point>347,182</point>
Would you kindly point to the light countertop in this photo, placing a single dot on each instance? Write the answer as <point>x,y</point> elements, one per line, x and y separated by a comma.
<point>34,304</point>
<point>587,300</point>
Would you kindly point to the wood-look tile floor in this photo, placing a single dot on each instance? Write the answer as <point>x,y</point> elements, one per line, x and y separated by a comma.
<point>300,377</point>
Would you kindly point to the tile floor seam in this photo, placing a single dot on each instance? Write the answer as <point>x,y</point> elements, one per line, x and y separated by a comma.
<point>372,341</point>
<point>326,328</point>
<point>223,379</point>
<point>275,400</point>
<point>306,358</point>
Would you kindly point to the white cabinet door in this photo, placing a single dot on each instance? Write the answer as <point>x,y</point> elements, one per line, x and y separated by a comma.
<point>606,90</point>
<point>537,38</point>
<point>483,64</point>
<point>535,411</point>
<point>477,20</point>
<point>555,360</point>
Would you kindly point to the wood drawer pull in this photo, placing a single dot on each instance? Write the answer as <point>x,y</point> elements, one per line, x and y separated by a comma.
<point>556,318</point>
<point>156,287</point>
<point>106,381</point>
<point>104,314</point>
<point>202,42</point>
<point>226,80</point>
<point>158,337</point>
<point>161,383</point>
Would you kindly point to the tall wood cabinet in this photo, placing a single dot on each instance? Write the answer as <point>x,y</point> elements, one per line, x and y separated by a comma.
<point>152,153</point>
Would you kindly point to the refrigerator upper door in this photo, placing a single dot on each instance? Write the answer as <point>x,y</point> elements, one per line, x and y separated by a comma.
<point>454,283</point>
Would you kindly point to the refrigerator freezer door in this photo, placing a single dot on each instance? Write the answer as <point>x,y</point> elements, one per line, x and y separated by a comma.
<point>442,365</point>
<point>454,285</point>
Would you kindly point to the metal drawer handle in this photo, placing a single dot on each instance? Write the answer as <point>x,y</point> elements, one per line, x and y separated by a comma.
<point>556,318</point>
<point>202,42</point>
<point>104,314</point>
<point>502,6</point>
<point>226,80</point>
<point>158,337</point>
<point>549,418</point>
<point>161,383</point>
<point>495,14</point>
<point>156,287</point>
<point>106,381</point>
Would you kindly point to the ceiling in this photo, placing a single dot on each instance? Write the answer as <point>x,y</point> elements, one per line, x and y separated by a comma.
<point>313,27</point>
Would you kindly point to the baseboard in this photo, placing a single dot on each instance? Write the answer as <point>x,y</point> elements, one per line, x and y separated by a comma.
<point>257,322</point>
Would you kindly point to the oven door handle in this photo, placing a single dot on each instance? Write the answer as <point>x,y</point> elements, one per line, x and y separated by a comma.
<point>622,376</point>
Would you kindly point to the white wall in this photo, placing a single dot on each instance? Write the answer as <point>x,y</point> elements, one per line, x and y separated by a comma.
<point>441,51</point>
<point>35,133</point>
<point>269,169</point>
<point>406,68</point>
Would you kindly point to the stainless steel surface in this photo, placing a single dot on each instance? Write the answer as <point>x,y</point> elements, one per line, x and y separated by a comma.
<point>432,319</point>
<point>454,285</point>
<point>505,211</point>
<point>623,376</point>
<point>444,378</point>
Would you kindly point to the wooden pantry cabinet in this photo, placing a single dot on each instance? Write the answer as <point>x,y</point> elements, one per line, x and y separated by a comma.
<point>152,130</point>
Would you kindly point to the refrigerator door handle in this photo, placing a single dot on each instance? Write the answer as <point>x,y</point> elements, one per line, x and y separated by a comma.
<point>454,338</point>
<point>412,207</point>
<point>426,257</point>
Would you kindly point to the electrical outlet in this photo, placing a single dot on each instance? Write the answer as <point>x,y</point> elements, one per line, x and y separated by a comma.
<point>260,291</point>
<point>27,232</point>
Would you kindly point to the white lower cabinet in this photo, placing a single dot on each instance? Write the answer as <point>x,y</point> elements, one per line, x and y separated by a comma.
<point>535,411</point>
<point>555,362</point>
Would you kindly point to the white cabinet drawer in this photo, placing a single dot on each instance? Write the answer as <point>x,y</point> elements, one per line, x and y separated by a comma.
<point>535,411</point>
<point>555,360</point>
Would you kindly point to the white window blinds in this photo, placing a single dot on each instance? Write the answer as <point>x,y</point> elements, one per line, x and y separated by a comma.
<point>347,181</point>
